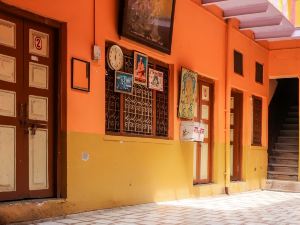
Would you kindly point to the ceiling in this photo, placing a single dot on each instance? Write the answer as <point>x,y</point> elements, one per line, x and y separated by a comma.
<point>259,16</point>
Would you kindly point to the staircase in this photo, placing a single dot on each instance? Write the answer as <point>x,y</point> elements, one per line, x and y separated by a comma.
<point>283,157</point>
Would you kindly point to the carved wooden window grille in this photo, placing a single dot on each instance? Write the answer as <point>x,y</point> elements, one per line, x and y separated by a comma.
<point>257,121</point>
<point>145,112</point>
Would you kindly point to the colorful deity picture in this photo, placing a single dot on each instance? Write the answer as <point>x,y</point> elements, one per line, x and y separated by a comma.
<point>149,22</point>
<point>123,82</point>
<point>156,80</point>
<point>187,94</point>
<point>140,68</point>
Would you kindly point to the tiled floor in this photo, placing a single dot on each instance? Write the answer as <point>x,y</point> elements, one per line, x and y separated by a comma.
<point>274,208</point>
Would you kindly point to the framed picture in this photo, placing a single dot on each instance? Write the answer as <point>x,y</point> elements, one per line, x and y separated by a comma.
<point>123,82</point>
<point>148,22</point>
<point>80,75</point>
<point>156,80</point>
<point>140,68</point>
<point>188,89</point>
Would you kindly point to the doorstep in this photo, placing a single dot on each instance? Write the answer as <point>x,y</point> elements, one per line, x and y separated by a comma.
<point>27,210</point>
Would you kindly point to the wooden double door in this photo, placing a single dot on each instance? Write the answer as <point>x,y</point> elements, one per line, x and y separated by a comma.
<point>26,109</point>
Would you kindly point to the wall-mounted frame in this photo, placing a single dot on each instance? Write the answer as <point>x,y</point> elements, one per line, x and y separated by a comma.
<point>123,82</point>
<point>148,22</point>
<point>80,75</point>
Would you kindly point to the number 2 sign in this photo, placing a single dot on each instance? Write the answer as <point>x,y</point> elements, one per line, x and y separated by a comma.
<point>38,43</point>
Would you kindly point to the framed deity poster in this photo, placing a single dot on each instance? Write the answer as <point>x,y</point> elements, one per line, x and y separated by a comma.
<point>188,89</point>
<point>148,22</point>
<point>156,80</point>
<point>140,68</point>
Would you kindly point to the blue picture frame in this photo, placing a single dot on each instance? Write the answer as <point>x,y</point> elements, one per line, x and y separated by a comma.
<point>123,82</point>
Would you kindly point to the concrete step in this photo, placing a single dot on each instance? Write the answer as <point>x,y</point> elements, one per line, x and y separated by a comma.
<point>290,126</point>
<point>292,120</point>
<point>285,153</point>
<point>291,169</point>
<point>283,160</point>
<point>293,114</point>
<point>282,185</point>
<point>283,177</point>
<point>289,133</point>
<point>291,140</point>
<point>282,173</point>
<point>294,108</point>
<point>292,146</point>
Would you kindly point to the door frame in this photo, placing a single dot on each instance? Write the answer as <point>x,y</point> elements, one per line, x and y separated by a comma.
<point>60,90</point>
<point>238,137</point>
<point>211,82</point>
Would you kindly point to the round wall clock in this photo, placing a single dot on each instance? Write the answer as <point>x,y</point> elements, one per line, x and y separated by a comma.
<point>115,57</point>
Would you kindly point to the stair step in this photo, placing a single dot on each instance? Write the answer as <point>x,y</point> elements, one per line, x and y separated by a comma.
<point>285,153</point>
<point>290,126</point>
<point>283,177</point>
<point>294,140</point>
<point>290,133</point>
<point>283,159</point>
<point>289,170</point>
<point>292,120</point>
<point>292,146</point>
<point>282,165</point>
<point>279,185</point>
<point>283,173</point>
<point>293,114</point>
<point>294,107</point>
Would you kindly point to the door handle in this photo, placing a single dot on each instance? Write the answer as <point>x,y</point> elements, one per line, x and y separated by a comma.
<point>35,126</point>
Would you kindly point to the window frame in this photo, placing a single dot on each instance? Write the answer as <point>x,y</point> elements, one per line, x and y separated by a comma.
<point>236,66</point>
<point>257,75</point>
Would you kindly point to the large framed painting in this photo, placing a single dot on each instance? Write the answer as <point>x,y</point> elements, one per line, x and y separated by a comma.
<point>188,89</point>
<point>123,82</point>
<point>148,22</point>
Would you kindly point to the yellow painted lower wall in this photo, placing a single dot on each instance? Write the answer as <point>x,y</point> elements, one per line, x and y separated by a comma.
<point>125,171</point>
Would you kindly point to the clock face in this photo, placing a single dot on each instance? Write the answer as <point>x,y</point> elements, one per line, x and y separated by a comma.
<point>115,57</point>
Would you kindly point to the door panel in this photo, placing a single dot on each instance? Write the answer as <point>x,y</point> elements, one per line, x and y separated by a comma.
<point>7,33</point>
<point>7,68</point>
<point>8,158</point>
<point>7,103</point>
<point>38,160</point>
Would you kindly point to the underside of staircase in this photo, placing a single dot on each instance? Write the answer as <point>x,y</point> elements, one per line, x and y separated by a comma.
<point>283,156</point>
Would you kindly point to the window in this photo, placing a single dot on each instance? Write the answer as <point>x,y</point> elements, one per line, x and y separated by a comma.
<point>145,112</point>
<point>238,63</point>
<point>259,73</point>
<point>256,121</point>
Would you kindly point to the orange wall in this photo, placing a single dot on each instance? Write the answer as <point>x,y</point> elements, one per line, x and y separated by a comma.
<point>285,63</point>
<point>197,44</point>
